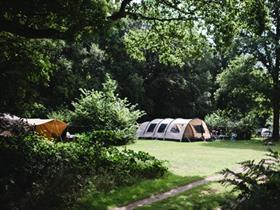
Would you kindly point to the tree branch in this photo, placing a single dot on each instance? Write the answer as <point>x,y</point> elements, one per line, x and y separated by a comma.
<point>122,11</point>
<point>170,5</point>
<point>139,15</point>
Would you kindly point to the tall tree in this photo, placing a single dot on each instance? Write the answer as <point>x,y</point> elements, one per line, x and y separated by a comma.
<point>260,29</point>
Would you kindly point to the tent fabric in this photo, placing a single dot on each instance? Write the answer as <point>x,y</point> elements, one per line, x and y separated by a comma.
<point>50,128</point>
<point>151,128</point>
<point>161,131</point>
<point>141,128</point>
<point>176,129</point>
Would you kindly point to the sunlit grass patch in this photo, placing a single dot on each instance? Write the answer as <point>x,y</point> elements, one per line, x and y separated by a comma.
<point>124,195</point>
<point>211,196</point>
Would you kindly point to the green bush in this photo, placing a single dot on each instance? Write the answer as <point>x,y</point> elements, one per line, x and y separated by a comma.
<point>127,167</point>
<point>62,114</point>
<point>104,110</point>
<point>230,123</point>
<point>107,137</point>
<point>36,173</point>
<point>258,184</point>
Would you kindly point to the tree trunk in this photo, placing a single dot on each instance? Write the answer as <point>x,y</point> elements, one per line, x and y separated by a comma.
<point>276,108</point>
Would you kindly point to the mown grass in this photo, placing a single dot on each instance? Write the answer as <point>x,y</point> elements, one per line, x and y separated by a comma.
<point>211,196</point>
<point>203,158</point>
<point>124,195</point>
<point>188,162</point>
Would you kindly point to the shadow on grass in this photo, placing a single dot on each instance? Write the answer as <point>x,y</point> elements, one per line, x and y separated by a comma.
<point>203,197</point>
<point>254,144</point>
<point>128,194</point>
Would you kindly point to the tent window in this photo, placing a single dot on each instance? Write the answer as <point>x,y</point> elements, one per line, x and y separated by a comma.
<point>151,128</point>
<point>176,128</point>
<point>162,128</point>
<point>199,128</point>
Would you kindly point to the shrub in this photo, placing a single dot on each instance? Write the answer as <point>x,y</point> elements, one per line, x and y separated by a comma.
<point>258,184</point>
<point>33,169</point>
<point>127,167</point>
<point>62,114</point>
<point>230,123</point>
<point>104,110</point>
<point>36,173</point>
<point>107,137</point>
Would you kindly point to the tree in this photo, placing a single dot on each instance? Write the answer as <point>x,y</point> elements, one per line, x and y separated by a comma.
<point>26,66</point>
<point>65,19</point>
<point>259,27</point>
<point>244,88</point>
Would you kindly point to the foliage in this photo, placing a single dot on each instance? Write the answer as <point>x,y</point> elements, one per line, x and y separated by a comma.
<point>26,66</point>
<point>126,194</point>
<point>257,32</point>
<point>62,114</point>
<point>150,83</point>
<point>241,98</point>
<point>187,93</point>
<point>181,42</point>
<point>258,184</point>
<point>229,122</point>
<point>108,137</point>
<point>244,88</point>
<point>34,168</point>
<point>59,20</point>
<point>104,110</point>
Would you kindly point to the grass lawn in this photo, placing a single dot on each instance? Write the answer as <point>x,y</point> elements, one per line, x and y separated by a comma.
<point>188,162</point>
<point>210,196</point>
<point>202,158</point>
<point>124,195</point>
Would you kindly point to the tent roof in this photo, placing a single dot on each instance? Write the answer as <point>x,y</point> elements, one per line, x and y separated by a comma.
<point>173,128</point>
<point>37,121</point>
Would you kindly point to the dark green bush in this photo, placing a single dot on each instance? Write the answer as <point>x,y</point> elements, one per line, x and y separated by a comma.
<point>107,137</point>
<point>258,184</point>
<point>36,173</point>
<point>230,123</point>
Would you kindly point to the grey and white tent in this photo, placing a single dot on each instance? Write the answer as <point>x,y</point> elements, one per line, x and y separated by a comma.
<point>177,129</point>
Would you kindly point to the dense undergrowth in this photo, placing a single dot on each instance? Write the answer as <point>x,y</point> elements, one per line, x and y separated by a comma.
<point>36,173</point>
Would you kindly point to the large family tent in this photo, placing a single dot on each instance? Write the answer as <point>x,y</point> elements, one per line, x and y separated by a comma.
<point>50,128</point>
<point>177,129</point>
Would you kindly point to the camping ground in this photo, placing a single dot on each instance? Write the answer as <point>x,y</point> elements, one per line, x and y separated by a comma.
<point>187,162</point>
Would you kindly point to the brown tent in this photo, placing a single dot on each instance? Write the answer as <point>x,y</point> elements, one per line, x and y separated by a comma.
<point>50,128</point>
